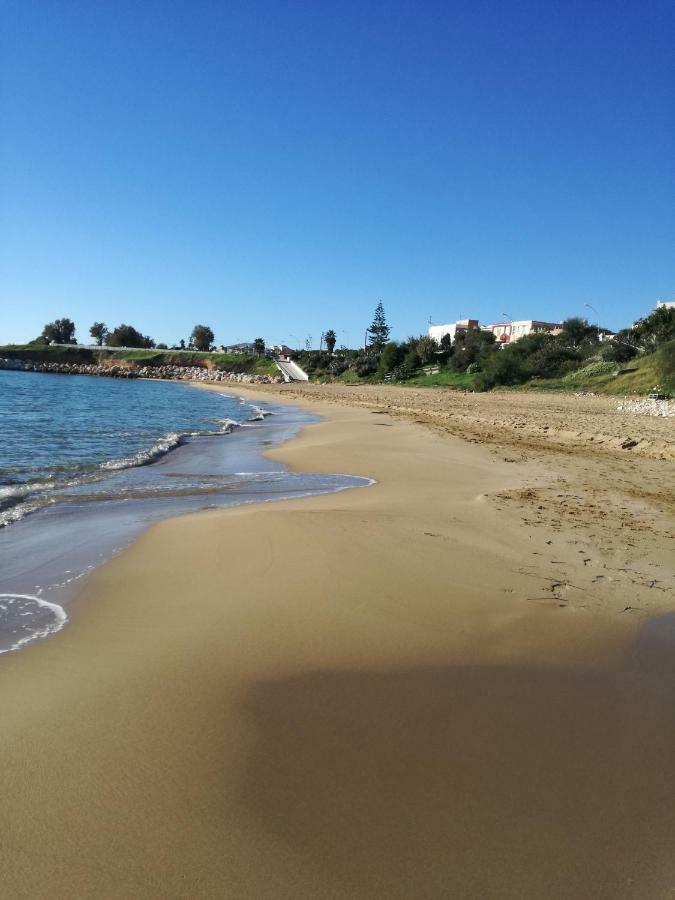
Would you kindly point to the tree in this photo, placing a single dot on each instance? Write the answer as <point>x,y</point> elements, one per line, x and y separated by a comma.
<point>576,331</point>
<point>259,346</point>
<point>98,331</point>
<point>61,331</point>
<point>445,349</point>
<point>379,330</point>
<point>469,345</point>
<point>655,329</point>
<point>391,357</point>
<point>427,348</point>
<point>128,336</point>
<point>181,343</point>
<point>622,348</point>
<point>201,337</point>
<point>331,339</point>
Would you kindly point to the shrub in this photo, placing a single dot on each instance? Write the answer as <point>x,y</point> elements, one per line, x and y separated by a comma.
<point>366,365</point>
<point>622,348</point>
<point>391,357</point>
<point>501,367</point>
<point>338,366</point>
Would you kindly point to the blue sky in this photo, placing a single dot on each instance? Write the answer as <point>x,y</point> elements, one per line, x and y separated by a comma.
<point>275,168</point>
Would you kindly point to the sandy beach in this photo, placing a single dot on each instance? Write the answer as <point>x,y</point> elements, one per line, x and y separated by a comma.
<point>437,686</point>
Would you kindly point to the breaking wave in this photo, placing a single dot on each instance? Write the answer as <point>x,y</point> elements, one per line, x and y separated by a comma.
<point>19,499</point>
<point>25,618</point>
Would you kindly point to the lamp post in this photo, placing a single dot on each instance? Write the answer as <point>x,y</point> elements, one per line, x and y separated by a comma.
<point>597,316</point>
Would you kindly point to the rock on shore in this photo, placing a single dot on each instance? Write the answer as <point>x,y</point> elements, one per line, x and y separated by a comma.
<point>130,370</point>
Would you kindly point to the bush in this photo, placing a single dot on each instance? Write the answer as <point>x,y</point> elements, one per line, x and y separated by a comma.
<point>411,360</point>
<point>366,365</point>
<point>468,347</point>
<point>622,348</point>
<point>338,366</point>
<point>551,360</point>
<point>501,367</point>
<point>391,357</point>
<point>655,329</point>
<point>426,348</point>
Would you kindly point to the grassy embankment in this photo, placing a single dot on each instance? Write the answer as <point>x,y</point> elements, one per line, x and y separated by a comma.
<point>639,376</point>
<point>253,365</point>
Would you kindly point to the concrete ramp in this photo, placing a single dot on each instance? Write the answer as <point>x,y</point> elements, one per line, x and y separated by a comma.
<point>291,371</point>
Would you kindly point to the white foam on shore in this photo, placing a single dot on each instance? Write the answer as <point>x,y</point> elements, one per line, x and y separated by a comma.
<point>59,613</point>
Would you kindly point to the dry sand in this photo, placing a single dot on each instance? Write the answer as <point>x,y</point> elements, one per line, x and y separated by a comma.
<point>427,688</point>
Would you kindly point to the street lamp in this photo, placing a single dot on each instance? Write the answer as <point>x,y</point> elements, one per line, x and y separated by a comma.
<point>597,316</point>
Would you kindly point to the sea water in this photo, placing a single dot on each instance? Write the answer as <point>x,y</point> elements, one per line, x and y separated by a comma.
<point>86,463</point>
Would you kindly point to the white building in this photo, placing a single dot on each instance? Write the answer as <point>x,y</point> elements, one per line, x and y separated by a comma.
<point>438,332</point>
<point>507,332</point>
<point>666,304</point>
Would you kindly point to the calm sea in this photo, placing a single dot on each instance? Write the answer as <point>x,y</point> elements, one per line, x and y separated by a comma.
<point>86,463</point>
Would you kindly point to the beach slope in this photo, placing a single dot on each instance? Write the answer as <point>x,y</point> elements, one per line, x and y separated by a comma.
<point>411,689</point>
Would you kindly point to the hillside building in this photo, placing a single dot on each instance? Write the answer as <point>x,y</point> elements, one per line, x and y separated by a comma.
<point>508,332</point>
<point>438,332</point>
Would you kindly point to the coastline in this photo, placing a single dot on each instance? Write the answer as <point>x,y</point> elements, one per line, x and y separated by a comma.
<point>349,695</point>
<point>59,528</point>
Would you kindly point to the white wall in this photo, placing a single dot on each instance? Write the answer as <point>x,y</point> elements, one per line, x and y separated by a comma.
<point>439,331</point>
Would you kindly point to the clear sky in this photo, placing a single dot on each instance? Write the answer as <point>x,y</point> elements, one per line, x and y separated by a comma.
<point>275,168</point>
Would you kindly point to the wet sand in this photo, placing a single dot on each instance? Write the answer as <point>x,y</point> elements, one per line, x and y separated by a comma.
<point>414,689</point>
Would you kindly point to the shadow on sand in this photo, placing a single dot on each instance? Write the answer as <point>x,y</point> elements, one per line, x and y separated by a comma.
<point>470,782</point>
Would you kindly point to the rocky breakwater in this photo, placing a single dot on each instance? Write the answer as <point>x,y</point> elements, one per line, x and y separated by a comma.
<point>130,370</point>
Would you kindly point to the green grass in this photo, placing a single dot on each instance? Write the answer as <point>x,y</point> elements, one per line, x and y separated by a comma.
<point>461,381</point>
<point>446,379</point>
<point>648,371</point>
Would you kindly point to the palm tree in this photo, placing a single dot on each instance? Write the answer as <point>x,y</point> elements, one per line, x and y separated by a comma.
<point>331,339</point>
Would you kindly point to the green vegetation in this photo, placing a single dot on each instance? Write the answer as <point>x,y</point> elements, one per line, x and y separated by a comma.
<point>99,332</point>
<point>639,376</point>
<point>229,362</point>
<point>127,336</point>
<point>202,337</point>
<point>575,359</point>
<point>460,381</point>
<point>61,331</point>
<point>378,333</point>
<point>331,339</point>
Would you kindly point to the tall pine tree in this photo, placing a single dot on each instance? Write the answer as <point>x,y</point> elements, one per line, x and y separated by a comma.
<point>379,330</point>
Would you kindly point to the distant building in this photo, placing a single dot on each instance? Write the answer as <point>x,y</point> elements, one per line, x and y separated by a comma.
<point>665,304</point>
<point>438,332</point>
<point>508,332</point>
<point>246,348</point>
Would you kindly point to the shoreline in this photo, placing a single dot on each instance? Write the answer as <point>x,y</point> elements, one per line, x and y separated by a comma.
<point>84,524</point>
<point>348,695</point>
